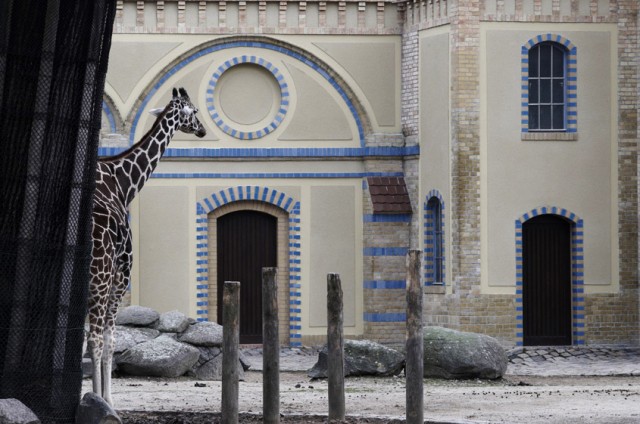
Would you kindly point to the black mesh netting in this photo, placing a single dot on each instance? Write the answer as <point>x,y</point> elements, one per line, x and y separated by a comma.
<point>53,60</point>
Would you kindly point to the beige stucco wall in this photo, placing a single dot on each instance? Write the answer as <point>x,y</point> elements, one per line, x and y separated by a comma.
<point>163,217</point>
<point>164,228</point>
<point>368,65</point>
<point>435,155</point>
<point>518,176</point>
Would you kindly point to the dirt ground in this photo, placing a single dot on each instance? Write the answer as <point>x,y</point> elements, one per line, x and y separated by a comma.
<point>514,399</point>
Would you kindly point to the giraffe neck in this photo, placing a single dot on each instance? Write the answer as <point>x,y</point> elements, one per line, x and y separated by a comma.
<point>135,166</point>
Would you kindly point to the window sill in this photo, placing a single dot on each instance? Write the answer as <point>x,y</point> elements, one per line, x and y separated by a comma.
<point>549,136</point>
<point>435,289</point>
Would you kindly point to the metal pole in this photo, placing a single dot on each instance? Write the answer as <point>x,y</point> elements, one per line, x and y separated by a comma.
<point>230,338</point>
<point>335,348</point>
<point>270,347</point>
<point>414,345</point>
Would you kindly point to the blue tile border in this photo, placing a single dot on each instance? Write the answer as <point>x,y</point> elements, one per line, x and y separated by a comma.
<point>188,175</point>
<point>571,109</point>
<point>385,218</point>
<point>296,152</point>
<point>262,194</point>
<point>282,108</point>
<point>577,265</point>
<point>385,284</point>
<point>385,251</point>
<point>263,44</point>
<point>110,118</point>
<point>385,317</point>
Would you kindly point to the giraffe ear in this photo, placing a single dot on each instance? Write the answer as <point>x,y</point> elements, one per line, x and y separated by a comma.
<point>175,93</point>
<point>156,112</point>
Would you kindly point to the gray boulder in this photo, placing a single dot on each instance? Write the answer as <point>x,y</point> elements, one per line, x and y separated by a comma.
<point>160,357</point>
<point>127,337</point>
<point>173,322</point>
<point>212,370</point>
<point>12,411</point>
<point>203,334</point>
<point>137,316</point>
<point>362,357</point>
<point>455,354</point>
<point>95,410</point>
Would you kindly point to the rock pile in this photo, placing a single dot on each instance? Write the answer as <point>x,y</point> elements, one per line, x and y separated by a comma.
<point>167,345</point>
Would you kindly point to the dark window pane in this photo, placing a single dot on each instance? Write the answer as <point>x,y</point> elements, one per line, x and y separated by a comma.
<point>558,117</point>
<point>545,91</point>
<point>545,117</point>
<point>558,91</point>
<point>533,117</point>
<point>533,61</point>
<point>533,91</point>
<point>545,60</point>
<point>558,62</point>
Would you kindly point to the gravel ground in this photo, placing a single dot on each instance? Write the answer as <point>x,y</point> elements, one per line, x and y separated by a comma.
<point>588,387</point>
<point>515,399</point>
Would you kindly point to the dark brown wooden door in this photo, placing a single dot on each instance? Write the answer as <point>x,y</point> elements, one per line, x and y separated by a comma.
<point>546,294</point>
<point>246,243</point>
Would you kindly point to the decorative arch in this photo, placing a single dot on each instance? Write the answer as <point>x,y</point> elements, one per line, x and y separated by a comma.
<point>337,82</point>
<point>429,237</point>
<point>113,117</point>
<point>571,79</point>
<point>241,195</point>
<point>577,271</point>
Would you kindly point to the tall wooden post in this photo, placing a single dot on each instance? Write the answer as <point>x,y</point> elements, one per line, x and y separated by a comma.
<point>414,345</point>
<point>270,347</point>
<point>335,348</point>
<point>230,341</point>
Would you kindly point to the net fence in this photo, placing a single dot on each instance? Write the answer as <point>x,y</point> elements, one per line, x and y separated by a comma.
<point>53,61</point>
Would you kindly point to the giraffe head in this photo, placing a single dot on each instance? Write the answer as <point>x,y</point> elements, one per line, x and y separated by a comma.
<point>187,120</point>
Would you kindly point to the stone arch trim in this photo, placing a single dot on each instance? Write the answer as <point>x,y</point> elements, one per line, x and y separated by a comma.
<point>570,78</point>
<point>428,238</point>
<point>112,113</point>
<point>577,271</point>
<point>356,108</point>
<point>270,201</point>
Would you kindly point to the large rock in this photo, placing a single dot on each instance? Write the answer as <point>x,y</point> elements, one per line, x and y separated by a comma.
<point>95,410</point>
<point>160,357</point>
<point>459,355</point>
<point>212,370</point>
<point>127,337</point>
<point>138,316</point>
<point>203,334</point>
<point>173,322</point>
<point>362,357</point>
<point>12,411</point>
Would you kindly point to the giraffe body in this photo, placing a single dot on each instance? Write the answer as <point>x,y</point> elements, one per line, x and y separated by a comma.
<point>118,181</point>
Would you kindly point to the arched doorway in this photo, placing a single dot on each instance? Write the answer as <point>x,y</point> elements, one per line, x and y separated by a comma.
<point>247,242</point>
<point>546,274</point>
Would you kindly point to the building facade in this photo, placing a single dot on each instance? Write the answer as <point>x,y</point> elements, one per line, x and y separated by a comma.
<point>498,137</point>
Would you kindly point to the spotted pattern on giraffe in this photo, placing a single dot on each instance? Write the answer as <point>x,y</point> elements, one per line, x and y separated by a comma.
<point>118,180</point>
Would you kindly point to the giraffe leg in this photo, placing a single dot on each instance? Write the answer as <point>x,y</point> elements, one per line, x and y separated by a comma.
<point>102,270</point>
<point>120,286</point>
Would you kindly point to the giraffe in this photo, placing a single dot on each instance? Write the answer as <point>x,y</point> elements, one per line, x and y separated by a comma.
<point>118,181</point>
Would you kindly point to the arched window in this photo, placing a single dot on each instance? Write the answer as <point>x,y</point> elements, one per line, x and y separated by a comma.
<point>434,243</point>
<point>547,87</point>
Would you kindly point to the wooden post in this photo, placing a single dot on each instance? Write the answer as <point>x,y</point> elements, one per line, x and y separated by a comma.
<point>414,345</point>
<point>270,347</point>
<point>335,348</point>
<point>230,340</point>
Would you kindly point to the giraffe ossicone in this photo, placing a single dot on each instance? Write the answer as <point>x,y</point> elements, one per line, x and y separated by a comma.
<point>118,180</point>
